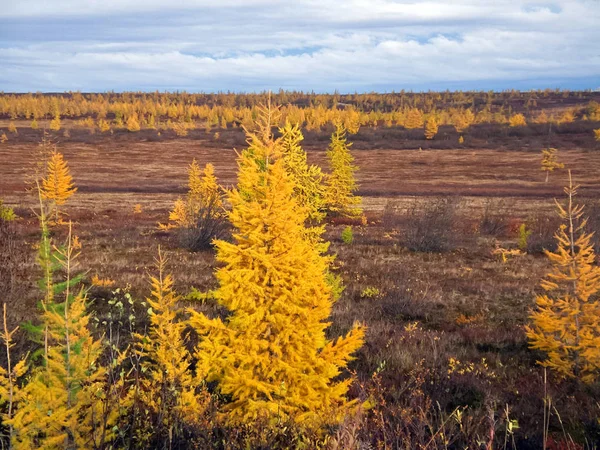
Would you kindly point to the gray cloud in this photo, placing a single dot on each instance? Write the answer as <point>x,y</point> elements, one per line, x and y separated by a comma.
<point>308,44</point>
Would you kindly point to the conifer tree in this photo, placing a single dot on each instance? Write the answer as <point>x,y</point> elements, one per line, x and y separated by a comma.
<point>431,128</point>
<point>565,322</point>
<point>133,123</point>
<point>340,183</point>
<point>597,134</point>
<point>308,188</point>
<point>270,355</point>
<point>169,387</point>
<point>550,161</point>
<point>58,184</point>
<point>63,404</point>
<point>517,120</point>
<point>55,123</point>
<point>34,124</point>
<point>12,128</point>
<point>414,119</point>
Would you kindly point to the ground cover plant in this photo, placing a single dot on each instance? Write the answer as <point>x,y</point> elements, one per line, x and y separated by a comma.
<point>205,297</point>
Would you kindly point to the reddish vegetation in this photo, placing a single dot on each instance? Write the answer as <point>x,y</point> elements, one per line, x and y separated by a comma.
<point>429,309</point>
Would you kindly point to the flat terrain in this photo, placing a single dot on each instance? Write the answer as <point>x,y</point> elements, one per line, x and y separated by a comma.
<point>463,303</point>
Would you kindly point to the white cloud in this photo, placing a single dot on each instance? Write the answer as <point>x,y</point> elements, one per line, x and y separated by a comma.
<point>308,44</point>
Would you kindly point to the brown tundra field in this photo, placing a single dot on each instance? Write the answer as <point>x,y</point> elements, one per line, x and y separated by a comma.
<point>446,362</point>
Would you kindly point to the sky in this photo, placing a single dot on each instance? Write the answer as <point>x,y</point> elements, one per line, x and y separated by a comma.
<point>311,45</point>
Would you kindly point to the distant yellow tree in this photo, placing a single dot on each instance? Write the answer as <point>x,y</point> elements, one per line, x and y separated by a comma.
<point>270,355</point>
<point>597,134</point>
<point>414,119</point>
<point>431,128</point>
<point>168,387</point>
<point>133,124</point>
<point>34,124</point>
<point>340,183</point>
<point>308,187</point>
<point>3,138</point>
<point>63,403</point>
<point>58,184</point>
<point>103,125</point>
<point>565,322</point>
<point>12,128</point>
<point>461,140</point>
<point>550,161</point>
<point>55,123</point>
<point>517,120</point>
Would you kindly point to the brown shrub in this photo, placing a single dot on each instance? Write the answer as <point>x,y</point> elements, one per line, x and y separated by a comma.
<point>431,225</point>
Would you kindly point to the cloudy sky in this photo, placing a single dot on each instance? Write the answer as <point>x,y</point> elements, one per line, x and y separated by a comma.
<point>321,45</point>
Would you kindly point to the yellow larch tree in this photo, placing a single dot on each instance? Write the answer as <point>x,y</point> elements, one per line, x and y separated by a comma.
<point>431,128</point>
<point>550,161</point>
<point>203,191</point>
<point>55,123</point>
<point>169,386</point>
<point>58,185</point>
<point>517,120</point>
<point>340,182</point>
<point>565,321</point>
<point>597,134</point>
<point>133,123</point>
<point>64,402</point>
<point>414,119</point>
<point>308,180</point>
<point>271,355</point>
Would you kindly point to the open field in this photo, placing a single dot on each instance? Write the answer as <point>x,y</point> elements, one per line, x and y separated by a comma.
<point>445,327</point>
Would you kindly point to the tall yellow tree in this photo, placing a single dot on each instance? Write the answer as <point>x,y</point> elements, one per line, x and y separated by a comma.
<point>58,185</point>
<point>565,322</point>
<point>271,355</point>
<point>550,161</point>
<point>308,180</point>
<point>168,387</point>
<point>340,183</point>
<point>431,128</point>
<point>63,404</point>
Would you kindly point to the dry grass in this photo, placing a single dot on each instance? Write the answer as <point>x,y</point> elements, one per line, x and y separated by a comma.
<point>464,304</point>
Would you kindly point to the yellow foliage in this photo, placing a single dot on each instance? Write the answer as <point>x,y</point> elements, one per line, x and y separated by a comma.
<point>34,124</point>
<point>340,183</point>
<point>565,322</point>
<point>3,138</point>
<point>64,402</point>
<point>133,124</point>
<point>414,119</point>
<point>168,387</point>
<point>58,185</point>
<point>308,188</point>
<point>203,190</point>
<point>550,161</point>
<point>103,125</point>
<point>55,123</point>
<point>137,208</point>
<point>517,120</point>
<point>597,134</point>
<point>271,355</point>
<point>431,128</point>
<point>102,282</point>
<point>12,128</point>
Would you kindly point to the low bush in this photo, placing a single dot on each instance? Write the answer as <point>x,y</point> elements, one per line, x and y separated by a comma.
<point>431,225</point>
